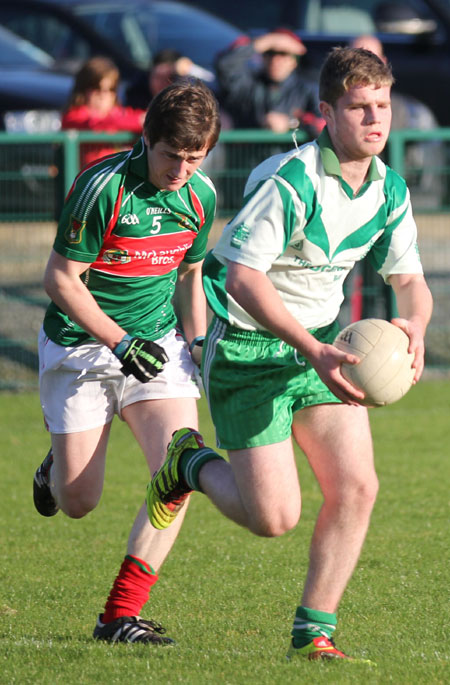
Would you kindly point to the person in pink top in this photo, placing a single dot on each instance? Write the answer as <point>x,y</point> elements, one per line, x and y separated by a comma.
<point>94,106</point>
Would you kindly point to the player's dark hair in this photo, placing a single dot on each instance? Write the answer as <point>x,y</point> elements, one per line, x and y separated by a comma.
<point>347,67</point>
<point>185,115</point>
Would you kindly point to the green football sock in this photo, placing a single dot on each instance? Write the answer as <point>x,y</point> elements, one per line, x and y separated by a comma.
<point>310,623</point>
<point>191,462</point>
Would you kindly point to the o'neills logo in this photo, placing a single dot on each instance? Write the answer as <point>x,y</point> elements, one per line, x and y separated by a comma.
<point>74,230</point>
<point>116,257</point>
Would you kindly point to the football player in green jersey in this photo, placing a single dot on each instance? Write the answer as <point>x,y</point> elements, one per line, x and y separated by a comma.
<point>132,235</point>
<point>275,284</point>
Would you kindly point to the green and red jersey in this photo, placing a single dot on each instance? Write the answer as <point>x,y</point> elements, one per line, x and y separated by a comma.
<point>134,237</point>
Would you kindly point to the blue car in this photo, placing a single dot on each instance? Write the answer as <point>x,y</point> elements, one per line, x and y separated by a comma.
<point>28,80</point>
<point>129,32</point>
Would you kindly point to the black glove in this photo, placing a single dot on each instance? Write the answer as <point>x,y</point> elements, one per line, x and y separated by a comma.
<point>141,358</point>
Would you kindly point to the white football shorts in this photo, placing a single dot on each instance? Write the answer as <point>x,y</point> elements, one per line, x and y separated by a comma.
<point>82,387</point>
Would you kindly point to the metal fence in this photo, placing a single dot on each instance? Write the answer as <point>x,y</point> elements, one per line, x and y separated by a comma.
<point>36,170</point>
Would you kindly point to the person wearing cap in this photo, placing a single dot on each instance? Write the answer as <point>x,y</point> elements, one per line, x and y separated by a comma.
<point>261,85</point>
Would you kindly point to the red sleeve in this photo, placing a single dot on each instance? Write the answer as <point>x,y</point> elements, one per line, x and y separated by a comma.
<point>126,119</point>
<point>76,117</point>
<point>119,119</point>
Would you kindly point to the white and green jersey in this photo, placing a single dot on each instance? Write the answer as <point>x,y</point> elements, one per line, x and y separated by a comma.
<point>302,225</point>
<point>134,237</point>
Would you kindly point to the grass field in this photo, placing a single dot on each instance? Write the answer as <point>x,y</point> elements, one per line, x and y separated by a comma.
<point>226,596</point>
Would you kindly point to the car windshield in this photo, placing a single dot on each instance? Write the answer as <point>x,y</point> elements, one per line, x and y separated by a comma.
<point>355,17</point>
<point>329,17</point>
<point>17,52</point>
<point>208,34</point>
<point>128,25</point>
<point>143,28</point>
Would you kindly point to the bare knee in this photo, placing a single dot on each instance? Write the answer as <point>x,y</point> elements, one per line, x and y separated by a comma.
<point>364,493</point>
<point>357,496</point>
<point>75,503</point>
<point>274,525</point>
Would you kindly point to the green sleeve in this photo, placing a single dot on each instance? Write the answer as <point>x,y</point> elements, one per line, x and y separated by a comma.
<point>80,237</point>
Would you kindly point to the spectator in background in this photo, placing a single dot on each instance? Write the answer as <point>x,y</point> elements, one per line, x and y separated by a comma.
<point>94,106</point>
<point>168,66</point>
<point>261,85</point>
<point>407,112</point>
<point>426,185</point>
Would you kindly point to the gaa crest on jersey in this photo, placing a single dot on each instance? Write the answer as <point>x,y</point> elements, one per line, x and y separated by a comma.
<point>130,219</point>
<point>74,230</point>
<point>116,257</point>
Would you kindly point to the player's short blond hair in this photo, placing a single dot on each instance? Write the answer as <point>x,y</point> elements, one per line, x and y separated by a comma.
<point>347,67</point>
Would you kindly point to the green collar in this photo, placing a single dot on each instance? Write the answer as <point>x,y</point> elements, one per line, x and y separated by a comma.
<point>138,160</point>
<point>331,163</point>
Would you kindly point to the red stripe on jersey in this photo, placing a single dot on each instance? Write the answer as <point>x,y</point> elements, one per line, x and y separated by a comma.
<point>148,256</point>
<point>197,206</point>
<point>72,186</point>
<point>115,216</point>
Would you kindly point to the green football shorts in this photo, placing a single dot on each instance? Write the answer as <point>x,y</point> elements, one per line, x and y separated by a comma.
<point>254,384</point>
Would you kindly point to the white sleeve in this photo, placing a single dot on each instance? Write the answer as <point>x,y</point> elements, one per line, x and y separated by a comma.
<point>398,252</point>
<point>256,236</point>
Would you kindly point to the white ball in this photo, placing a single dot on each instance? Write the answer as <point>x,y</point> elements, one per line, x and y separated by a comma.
<point>384,373</point>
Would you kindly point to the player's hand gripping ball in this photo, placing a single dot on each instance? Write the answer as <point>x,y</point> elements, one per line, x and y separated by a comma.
<point>141,358</point>
<point>384,372</point>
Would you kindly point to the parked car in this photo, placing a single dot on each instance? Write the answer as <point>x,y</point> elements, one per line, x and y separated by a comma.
<point>28,81</point>
<point>70,40</point>
<point>196,33</point>
<point>36,73</point>
<point>31,97</point>
<point>127,31</point>
<point>415,35</point>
